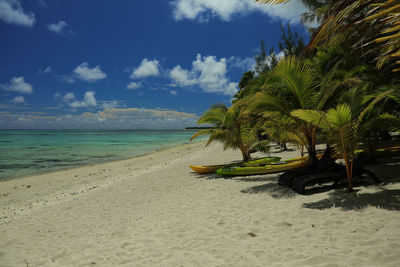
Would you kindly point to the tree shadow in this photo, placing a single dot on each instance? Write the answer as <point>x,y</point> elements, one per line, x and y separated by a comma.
<point>257,178</point>
<point>384,199</point>
<point>271,188</point>
<point>207,176</point>
<point>388,170</point>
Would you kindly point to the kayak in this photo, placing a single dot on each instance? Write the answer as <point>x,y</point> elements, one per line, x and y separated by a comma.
<point>266,169</point>
<point>388,151</point>
<point>255,162</point>
<point>383,152</point>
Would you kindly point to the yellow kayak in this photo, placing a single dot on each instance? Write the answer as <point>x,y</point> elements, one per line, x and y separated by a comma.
<point>255,162</point>
<point>270,168</point>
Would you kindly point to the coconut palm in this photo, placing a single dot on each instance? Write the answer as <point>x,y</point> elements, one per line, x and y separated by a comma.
<point>343,125</point>
<point>370,25</point>
<point>230,127</point>
<point>290,85</point>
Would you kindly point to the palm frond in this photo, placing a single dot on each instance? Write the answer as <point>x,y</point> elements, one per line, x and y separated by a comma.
<point>315,117</point>
<point>201,132</point>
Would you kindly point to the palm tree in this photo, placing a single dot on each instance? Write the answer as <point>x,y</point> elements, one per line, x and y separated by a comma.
<point>370,25</point>
<point>290,85</point>
<point>343,125</point>
<point>230,127</point>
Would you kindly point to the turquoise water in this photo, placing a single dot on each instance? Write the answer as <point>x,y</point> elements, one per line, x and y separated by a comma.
<point>28,152</point>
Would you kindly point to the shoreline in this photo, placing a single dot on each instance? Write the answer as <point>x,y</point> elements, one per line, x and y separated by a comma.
<point>73,183</point>
<point>152,210</point>
<point>96,163</point>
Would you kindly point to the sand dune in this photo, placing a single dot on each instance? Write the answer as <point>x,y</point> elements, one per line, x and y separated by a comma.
<point>153,211</point>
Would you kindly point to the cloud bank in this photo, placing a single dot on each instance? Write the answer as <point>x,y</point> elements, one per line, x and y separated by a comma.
<point>11,11</point>
<point>109,118</point>
<point>202,10</point>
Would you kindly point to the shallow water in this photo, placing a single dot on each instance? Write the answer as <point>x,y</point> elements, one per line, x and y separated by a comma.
<point>28,152</point>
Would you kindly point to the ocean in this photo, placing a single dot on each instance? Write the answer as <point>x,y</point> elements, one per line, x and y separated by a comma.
<point>29,152</point>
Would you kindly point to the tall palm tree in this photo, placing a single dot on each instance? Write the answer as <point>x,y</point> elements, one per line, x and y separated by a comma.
<point>371,25</point>
<point>290,85</point>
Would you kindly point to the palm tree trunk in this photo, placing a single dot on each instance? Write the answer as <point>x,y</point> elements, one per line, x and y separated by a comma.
<point>245,152</point>
<point>349,169</point>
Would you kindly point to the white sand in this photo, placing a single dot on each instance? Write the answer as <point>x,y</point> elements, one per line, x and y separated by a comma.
<point>153,211</point>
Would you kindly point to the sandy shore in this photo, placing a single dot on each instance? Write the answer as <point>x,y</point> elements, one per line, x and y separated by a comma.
<point>153,211</point>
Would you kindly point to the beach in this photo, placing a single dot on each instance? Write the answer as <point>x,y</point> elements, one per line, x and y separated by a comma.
<point>152,210</point>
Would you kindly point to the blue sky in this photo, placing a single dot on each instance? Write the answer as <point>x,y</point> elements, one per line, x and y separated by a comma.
<point>128,64</point>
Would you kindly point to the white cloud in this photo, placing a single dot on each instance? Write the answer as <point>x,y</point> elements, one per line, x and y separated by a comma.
<point>68,97</point>
<point>110,104</point>
<point>58,27</point>
<point>85,73</point>
<point>47,70</point>
<point>18,100</point>
<point>242,63</point>
<point>88,100</point>
<point>173,92</point>
<point>208,73</point>
<point>226,9</point>
<point>67,78</point>
<point>18,85</point>
<point>133,85</point>
<point>182,76</point>
<point>12,12</point>
<point>146,68</point>
<point>109,118</point>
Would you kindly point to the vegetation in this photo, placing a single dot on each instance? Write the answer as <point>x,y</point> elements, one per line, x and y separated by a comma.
<point>341,88</point>
<point>232,128</point>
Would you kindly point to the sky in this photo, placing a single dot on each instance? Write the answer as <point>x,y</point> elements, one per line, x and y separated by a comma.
<point>103,64</point>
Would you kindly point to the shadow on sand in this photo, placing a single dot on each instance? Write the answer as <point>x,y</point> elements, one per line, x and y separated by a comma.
<point>384,199</point>
<point>388,170</point>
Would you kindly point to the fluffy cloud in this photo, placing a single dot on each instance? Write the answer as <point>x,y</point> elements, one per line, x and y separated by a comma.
<point>182,77</point>
<point>12,12</point>
<point>133,85</point>
<point>226,9</point>
<point>208,73</point>
<point>173,92</point>
<point>85,73</point>
<point>245,64</point>
<point>146,68</point>
<point>18,100</point>
<point>58,27</point>
<point>88,100</point>
<point>109,118</point>
<point>18,85</point>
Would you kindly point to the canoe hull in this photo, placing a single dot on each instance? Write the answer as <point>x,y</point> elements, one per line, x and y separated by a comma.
<point>212,168</point>
<point>267,169</point>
